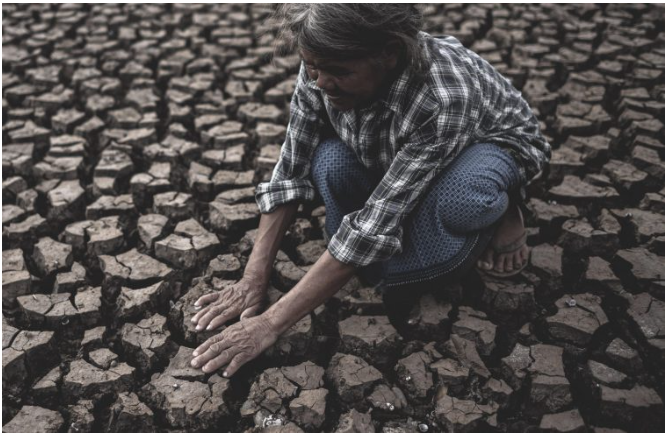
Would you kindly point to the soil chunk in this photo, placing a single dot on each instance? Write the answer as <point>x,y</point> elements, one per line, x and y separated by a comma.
<point>309,408</point>
<point>132,303</point>
<point>108,205</point>
<point>465,352</point>
<point>648,315</point>
<point>352,377</point>
<point>151,227</point>
<point>414,375</point>
<point>51,256</point>
<point>603,374</point>
<point>355,422</point>
<point>624,357</point>
<point>307,375</point>
<point>371,337</point>
<point>387,399</point>
<point>577,319</point>
<point>81,418</point>
<point>464,415</point>
<point>85,380</point>
<point>175,205</point>
<point>189,245</point>
<point>565,422</point>
<point>474,325</point>
<point>508,299</point>
<point>271,391</point>
<point>33,419</point>
<point>133,268</point>
<point>129,414</point>
<point>234,218</point>
<point>224,266</point>
<point>639,407</point>
<point>16,279</point>
<point>146,343</point>
<point>188,404</point>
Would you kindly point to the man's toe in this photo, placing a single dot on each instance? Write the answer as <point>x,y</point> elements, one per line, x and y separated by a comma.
<point>524,255</point>
<point>500,262</point>
<point>486,261</point>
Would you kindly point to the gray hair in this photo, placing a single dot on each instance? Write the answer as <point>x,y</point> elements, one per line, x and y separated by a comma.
<point>352,30</point>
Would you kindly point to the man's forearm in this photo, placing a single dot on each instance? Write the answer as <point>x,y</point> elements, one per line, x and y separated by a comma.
<point>272,228</point>
<point>321,282</point>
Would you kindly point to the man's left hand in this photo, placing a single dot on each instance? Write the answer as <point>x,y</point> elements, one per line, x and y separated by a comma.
<point>235,346</point>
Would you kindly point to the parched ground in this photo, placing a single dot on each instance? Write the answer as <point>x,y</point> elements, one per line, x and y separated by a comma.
<point>132,139</point>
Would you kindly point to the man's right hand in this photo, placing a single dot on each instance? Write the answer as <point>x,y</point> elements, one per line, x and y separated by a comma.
<point>245,299</point>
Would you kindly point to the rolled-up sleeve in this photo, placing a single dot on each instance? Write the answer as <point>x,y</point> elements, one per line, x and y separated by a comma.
<point>374,233</point>
<point>291,180</point>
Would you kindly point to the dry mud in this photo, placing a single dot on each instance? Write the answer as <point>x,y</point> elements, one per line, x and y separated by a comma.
<point>132,139</point>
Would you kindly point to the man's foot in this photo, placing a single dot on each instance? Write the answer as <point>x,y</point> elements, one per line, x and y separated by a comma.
<point>508,253</point>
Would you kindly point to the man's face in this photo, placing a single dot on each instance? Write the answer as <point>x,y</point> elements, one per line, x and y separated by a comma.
<point>348,84</point>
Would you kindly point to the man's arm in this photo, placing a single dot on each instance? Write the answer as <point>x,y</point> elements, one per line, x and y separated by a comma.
<point>272,228</point>
<point>247,297</point>
<point>246,339</point>
<point>321,282</point>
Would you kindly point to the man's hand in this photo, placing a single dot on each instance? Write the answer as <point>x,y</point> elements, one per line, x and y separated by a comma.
<point>244,299</point>
<point>235,346</point>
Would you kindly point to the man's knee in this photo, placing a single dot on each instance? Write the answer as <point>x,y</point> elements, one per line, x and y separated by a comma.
<point>331,162</point>
<point>476,204</point>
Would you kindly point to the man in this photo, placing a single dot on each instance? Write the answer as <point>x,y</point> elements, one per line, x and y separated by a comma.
<point>432,150</point>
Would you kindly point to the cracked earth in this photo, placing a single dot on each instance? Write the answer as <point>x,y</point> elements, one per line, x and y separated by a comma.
<point>133,136</point>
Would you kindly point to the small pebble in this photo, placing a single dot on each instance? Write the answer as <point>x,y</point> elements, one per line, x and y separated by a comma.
<point>571,303</point>
<point>271,421</point>
<point>390,406</point>
<point>423,428</point>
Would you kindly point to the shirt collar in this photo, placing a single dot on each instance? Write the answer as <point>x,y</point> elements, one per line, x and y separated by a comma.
<point>400,86</point>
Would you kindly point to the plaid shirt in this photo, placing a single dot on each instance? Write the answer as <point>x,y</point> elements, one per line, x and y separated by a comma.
<point>410,135</point>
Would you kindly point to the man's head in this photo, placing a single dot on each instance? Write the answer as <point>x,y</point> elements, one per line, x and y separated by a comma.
<point>353,50</point>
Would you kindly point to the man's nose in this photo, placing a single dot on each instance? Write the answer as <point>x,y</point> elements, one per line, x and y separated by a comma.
<point>324,81</point>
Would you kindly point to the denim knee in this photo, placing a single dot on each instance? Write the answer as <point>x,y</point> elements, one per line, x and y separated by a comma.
<point>331,162</point>
<point>474,193</point>
<point>474,213</point>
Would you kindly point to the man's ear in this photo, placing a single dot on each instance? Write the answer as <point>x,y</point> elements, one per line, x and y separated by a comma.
<point>391,53</point>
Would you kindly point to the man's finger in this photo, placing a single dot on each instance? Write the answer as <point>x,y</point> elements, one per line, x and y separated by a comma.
<point>206,344</point>
<point>250,312</point>
<point>239,360</point>
<point>197,316</point>
<point>207,299</point>
<point>207,351</point>
<point>212,313</point>
<point>221,319</point>
<point>218,361</point>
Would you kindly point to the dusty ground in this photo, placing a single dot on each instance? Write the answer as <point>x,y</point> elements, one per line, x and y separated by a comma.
<point>132,138</point>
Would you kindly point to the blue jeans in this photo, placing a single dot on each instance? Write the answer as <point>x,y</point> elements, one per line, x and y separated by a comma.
<point>448,229</point>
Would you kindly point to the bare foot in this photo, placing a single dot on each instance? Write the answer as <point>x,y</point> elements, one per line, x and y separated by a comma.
<point>508,250</point>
